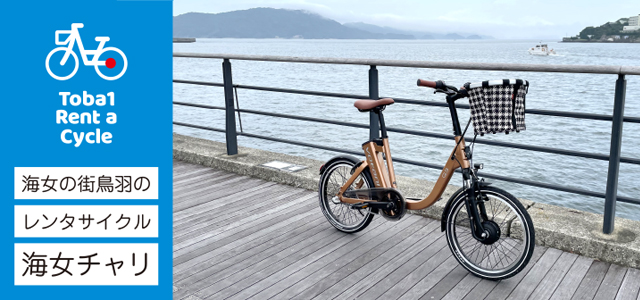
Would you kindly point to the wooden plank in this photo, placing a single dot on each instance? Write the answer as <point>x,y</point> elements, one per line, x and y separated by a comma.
<point>233,262</point>
<point>197,184</point>
<point>524,288</point>
<point>436,250</point>
<point>195,177</point>
<point>467,283</point>
<point>239,211</point>
<point>447,283</point>
<point>485,287</point>
<point>239,246</point>
<point>185,168</point>
<point>200,235</point>
<point>206,240</point>
<point>258,258</point>
<point>345,264</point>
<point>221,218</point>
<point>221,190</point>
<point>335,260</point>
<point>177,168</point>
<point>408,247</point>
<point>272,275</point>
<point>223,208</point>
<point>187,172</point>
<point>247,278</point>
<point>550,282</point>
<point>417,290</point>
<point>611,282</point>
<point>464,287</point>
<point>572,279</point>
<point>591,281</point>
<point>188,214</point>
<point>202,254</point>
<point>630,286</point>
<point>432,243</point>
<point>214,186</point>
<point>219,181</point>
<point>277,249</point>
<point>208,189</point>
<point>198,181</point>
<point>214,200</point>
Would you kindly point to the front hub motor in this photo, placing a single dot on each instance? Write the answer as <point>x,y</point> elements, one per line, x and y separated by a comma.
<point>492,230</point>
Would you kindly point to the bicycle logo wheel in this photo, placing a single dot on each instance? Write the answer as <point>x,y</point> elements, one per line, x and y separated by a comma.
<point>62,63</point>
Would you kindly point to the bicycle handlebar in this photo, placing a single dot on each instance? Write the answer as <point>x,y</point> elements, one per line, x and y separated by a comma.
<point>441,87</point>
<point>432,84</point>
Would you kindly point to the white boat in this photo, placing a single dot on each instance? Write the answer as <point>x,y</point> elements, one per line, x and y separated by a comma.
<point>541,49</point>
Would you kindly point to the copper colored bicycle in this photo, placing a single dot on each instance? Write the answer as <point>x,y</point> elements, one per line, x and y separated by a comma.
<point>488,230</point>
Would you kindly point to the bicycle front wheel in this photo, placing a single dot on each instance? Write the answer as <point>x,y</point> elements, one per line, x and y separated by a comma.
<point>500,256</point>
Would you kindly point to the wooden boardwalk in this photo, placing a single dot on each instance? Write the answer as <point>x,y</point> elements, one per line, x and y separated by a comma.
<point>237,237</point>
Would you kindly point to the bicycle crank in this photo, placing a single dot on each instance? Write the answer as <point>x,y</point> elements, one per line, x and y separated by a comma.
<point>388,201</point>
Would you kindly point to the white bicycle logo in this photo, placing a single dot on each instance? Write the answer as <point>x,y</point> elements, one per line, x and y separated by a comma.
<point>74,36</point>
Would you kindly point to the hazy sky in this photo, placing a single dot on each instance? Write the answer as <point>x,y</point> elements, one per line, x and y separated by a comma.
<point>499,18</point>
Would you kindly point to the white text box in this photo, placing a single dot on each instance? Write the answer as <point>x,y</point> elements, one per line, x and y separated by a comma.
<point>86,183</point>
<point>75,264</point>
<point>86,221</point>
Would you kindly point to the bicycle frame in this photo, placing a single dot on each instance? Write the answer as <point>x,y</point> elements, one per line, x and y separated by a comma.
<point>384,176</point>
<point>74,37</point>
<point>376,151</point>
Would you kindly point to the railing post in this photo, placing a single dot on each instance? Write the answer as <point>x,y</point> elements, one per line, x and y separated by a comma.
<point>374,126</point>
<point>614,156</point>
<point>231,134</point>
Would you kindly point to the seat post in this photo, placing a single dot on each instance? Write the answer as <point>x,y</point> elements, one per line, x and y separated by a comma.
<point>374,128</point>
<point>383,127</point>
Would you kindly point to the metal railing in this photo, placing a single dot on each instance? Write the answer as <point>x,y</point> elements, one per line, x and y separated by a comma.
<point>618,119</point>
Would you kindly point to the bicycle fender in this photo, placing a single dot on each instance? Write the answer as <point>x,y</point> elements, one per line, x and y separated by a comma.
<point>339,157</point>
<point>447,208</point>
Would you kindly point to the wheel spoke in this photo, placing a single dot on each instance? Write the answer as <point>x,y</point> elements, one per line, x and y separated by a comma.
<point>341,214</point>
<point>494,257</point>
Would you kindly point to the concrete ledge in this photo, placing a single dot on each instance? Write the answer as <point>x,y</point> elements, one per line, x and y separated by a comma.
<point>557,227</point>
<point>580,232</point>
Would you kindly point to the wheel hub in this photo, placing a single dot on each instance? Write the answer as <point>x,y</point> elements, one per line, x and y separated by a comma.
<point>492,230</point>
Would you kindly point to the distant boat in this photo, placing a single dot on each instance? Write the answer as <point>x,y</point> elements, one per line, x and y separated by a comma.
<point>541,49</point>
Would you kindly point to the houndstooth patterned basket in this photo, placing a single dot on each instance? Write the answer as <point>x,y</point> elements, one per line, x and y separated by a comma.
<point>495,107</point>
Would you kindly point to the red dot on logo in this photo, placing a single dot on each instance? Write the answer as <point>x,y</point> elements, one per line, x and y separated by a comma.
<point>110,63</point>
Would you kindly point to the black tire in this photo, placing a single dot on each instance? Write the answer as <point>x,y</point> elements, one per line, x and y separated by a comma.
<point>503,258</point>
<point>339,214</point>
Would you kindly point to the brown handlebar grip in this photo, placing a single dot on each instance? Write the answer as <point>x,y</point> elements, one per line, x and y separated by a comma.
<point>427,83</point>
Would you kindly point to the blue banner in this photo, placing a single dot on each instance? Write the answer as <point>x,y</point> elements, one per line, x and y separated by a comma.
<point>87,171</point>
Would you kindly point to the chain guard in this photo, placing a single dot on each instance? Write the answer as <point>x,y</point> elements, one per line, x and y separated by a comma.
<point>399,206</point>
<point>382,195</point>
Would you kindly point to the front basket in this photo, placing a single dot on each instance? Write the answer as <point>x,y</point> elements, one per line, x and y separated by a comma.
<point>498,105</point>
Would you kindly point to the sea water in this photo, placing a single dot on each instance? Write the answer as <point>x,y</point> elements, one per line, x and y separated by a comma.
<point>587,93</point>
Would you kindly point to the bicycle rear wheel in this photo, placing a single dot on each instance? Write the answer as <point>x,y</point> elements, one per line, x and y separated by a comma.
<point>500,256</point>
<point>338,213</point>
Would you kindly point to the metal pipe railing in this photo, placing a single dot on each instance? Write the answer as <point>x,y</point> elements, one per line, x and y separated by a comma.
<point>617,118</point>
<point>591,69</point>
<point>554,113</point>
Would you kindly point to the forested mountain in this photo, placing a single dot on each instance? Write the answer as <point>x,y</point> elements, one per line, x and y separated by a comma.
<point>283,23</point>
<point>269,23</point>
